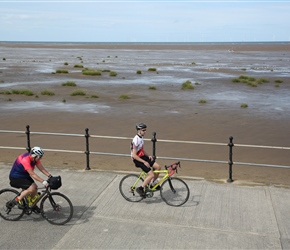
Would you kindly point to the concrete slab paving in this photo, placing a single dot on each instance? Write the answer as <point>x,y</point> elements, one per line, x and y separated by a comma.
<point>281,201</point>
<point>216,216</point>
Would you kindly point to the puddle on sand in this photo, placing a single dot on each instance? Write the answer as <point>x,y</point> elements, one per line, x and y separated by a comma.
<point>60,106</point>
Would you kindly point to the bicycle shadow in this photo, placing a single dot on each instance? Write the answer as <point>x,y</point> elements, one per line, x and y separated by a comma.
<point>153,200</point>
<point>193,200</point>
<point>81,214</point>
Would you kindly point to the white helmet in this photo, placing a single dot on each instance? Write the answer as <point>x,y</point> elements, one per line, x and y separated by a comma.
<point>36,151</point>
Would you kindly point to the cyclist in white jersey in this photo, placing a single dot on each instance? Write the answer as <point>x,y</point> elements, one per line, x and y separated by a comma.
<point>142,159</point>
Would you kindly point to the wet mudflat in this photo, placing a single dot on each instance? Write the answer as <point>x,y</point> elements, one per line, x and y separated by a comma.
<point>171,112</point>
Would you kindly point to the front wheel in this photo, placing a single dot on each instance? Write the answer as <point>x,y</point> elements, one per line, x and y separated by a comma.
<point>56,208</point>
<point>174,192</point>
<point>7,210</point>
<point>128,186</point>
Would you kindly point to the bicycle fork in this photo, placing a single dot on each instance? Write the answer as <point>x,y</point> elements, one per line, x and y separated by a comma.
<point>171,186</point>
<point>53,204</point>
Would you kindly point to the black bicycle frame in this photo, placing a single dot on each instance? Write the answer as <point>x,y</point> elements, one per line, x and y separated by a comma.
<point>52,202</point>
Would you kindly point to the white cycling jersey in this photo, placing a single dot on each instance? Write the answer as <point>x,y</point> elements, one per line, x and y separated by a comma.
<point>138,144</point>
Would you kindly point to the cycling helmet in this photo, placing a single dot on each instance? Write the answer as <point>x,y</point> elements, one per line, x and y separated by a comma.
<point>36,151</point>
<point>140,126</point>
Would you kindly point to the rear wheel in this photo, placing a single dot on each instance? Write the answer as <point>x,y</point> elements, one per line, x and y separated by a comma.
<point>9,211</point>
<point>56,208</point>
<point>128,186</point>
<point>174,192</point>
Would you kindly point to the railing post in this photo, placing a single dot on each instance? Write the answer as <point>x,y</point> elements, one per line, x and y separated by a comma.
<point>231,144</point>
<point>87,149</point>
<point>28,138</point>
<point>154,140</point>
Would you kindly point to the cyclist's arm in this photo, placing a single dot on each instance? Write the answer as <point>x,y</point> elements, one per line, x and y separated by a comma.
<point>136,157</point>
<point>42,169</point>
<point>34,175</point>
<point>147,154</point>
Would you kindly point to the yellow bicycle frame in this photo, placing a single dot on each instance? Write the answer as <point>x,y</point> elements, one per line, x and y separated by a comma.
<point>144,174</point>
<point>168,172</point>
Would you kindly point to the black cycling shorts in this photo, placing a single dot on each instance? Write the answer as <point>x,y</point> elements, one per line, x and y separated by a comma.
<point>23,183</point>
<point>139,164</point>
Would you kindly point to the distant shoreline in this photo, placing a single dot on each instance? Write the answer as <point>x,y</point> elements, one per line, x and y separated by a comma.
<point>232,46</point>
<point>147,43</point>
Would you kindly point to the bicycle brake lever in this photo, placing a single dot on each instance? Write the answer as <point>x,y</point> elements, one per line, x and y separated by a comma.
<point>178,164</point>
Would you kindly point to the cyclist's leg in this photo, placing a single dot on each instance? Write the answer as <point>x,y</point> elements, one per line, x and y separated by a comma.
<point>148,171</point>
<point>27,184</point>
<point>147,180</point>
<point>156,166</point>
<point>32,190</point>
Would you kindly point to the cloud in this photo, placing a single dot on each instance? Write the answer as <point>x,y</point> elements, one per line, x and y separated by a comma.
<point>146,21</point>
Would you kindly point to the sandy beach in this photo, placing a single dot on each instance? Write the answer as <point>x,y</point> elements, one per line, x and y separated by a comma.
<point>155,98</point>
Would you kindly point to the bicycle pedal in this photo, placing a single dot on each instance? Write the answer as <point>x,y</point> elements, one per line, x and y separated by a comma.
<point>28,211</point>
<point>149,194</point>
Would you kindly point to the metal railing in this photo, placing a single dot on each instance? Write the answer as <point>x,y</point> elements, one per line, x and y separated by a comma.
<point>87,151</point>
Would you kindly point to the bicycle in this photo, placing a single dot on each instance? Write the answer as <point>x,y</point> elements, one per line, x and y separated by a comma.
<point>55,207</point>
<point>173,191</point>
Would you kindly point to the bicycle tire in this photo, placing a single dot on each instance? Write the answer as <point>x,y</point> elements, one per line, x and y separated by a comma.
<point>56,208</point>
<point>10,214</point>
<point>175,195</point>
<point>128,186</point>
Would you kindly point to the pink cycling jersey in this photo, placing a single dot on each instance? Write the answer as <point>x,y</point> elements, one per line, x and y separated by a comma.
<point>21,165</point>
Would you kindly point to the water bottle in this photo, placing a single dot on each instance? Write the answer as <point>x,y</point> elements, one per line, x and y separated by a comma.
<point>35,197</point>
<point>156,181</point>
<point>29,200</point>
<point>32,200</point>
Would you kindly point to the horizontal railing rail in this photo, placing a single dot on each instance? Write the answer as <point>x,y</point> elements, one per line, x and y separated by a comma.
<point>154,140</point>
<point>159,140</point>
<point>159,157</point>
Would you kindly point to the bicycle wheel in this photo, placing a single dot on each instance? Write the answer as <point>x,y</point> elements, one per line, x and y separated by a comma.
<point>56,208</point>
<point>128,186</point>
<point>8,212</point>
<point>174,192</point>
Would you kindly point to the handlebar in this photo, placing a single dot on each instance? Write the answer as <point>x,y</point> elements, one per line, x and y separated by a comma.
<point>173,168</point>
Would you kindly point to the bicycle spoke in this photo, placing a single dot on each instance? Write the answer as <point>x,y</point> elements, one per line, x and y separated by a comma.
<point>128,186</point>
<point>174,192</point>
<point>56,208</point>
<point>7,210</point>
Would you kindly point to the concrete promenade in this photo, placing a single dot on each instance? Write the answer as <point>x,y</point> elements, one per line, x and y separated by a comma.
<point>216,216</point>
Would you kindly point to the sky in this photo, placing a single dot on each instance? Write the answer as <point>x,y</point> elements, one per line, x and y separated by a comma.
<point>144,21</point>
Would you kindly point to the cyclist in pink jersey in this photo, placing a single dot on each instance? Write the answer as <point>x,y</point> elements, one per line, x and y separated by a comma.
<point>143,160</point>
<point>22,175</point>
